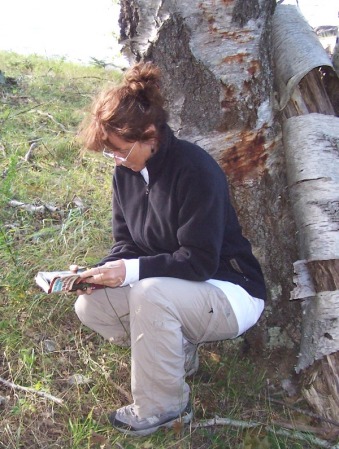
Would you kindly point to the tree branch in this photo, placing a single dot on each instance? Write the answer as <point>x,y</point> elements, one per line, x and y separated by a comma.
<point>28,207</point>
<point>305,412</point>
<point>31,390</point>
<point>50,116</point>
<point>251,424</point>
<point>28,155</point>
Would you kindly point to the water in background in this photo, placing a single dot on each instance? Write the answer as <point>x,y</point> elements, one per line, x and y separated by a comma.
<point>80,30</point>
<point>77,30</point>
<point>321,13</point>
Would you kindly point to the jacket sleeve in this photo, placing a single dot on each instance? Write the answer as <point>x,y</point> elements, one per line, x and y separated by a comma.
<point>203,202</point>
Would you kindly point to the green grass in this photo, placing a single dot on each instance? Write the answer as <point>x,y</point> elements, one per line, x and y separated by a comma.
<point>43,346</point>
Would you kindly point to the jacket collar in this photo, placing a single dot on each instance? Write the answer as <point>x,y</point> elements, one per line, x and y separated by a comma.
<point>156,163</point>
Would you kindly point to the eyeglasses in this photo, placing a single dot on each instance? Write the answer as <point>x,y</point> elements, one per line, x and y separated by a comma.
<point>112,155</point>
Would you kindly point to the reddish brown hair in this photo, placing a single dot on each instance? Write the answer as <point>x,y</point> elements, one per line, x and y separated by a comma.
<point>127,110</point>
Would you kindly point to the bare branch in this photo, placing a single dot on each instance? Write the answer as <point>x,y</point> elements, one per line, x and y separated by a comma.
<point>31,208</point>
<point>121,390</point>
<point>31,390</point>
<point>305,412</point>
<point>28,155</point>
<point>23,112</point>
<point>251,424</point>
<point>50,116</point>
<point>28,207</point>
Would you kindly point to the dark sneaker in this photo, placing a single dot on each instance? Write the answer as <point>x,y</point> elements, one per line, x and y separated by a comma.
<point>126,421</point>
<point>191,358</point>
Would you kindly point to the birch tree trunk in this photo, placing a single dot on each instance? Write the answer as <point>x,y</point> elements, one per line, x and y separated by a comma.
<point>216,61</point>
<point>311,143</point>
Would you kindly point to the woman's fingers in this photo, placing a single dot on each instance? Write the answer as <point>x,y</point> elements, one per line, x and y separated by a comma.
<point>73,268</point>
<point>111,274</point>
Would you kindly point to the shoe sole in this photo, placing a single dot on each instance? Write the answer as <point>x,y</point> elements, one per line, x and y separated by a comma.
<point>185,419</point>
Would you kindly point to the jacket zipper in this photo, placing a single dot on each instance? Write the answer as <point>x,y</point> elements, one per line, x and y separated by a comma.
<point>145,212</point>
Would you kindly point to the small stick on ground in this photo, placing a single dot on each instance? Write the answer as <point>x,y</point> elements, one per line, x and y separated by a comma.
<point>121,390</point>
<point>305,412</point>
<point>50,116</point>
<point>251,424</point>
<point>9,384</point>
<point>28,207</point>
<point>28,155</point>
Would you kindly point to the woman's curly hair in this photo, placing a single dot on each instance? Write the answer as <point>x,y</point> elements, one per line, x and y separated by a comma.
<point>127,110</point>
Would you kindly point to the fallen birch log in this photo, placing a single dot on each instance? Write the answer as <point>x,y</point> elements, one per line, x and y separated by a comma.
<point>311,145</point>
<point>298,54</point>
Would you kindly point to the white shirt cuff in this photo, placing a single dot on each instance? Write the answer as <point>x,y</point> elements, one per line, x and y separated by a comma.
<point>132,271</point>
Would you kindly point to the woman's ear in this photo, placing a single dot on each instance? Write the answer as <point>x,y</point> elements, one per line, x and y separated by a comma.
<point>152,132</point>
<point>151,129</point>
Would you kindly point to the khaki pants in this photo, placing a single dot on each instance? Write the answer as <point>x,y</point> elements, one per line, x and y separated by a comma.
<point>154,316</point>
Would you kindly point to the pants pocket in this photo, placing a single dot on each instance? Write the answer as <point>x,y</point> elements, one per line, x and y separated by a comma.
<point>222,323</point>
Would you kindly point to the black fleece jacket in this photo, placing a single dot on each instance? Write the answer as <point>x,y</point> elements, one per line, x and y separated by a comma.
<point>182,224</point>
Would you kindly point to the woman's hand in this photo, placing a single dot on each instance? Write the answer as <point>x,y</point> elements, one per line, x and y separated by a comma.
<point>112,274</point>
<point>75,268</point>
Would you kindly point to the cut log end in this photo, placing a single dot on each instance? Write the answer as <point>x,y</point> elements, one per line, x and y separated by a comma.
<point>321,387</point>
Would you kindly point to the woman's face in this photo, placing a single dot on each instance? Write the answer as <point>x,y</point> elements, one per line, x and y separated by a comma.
<point>132,155</point>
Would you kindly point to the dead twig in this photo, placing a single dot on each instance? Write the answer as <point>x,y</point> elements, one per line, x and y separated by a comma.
<point>121,390</point>
<point>31,390</point>
<point>28,155</point>
<point>31,208</point>
<point>50,116</point>
<point>251,424</point>
<point>118,445</point>
<point>23,112</point>
<point>93,77</point>
<point>298,427</point>
<point>28,207</point>
<point>305,412</point>
<point>216,421</point>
